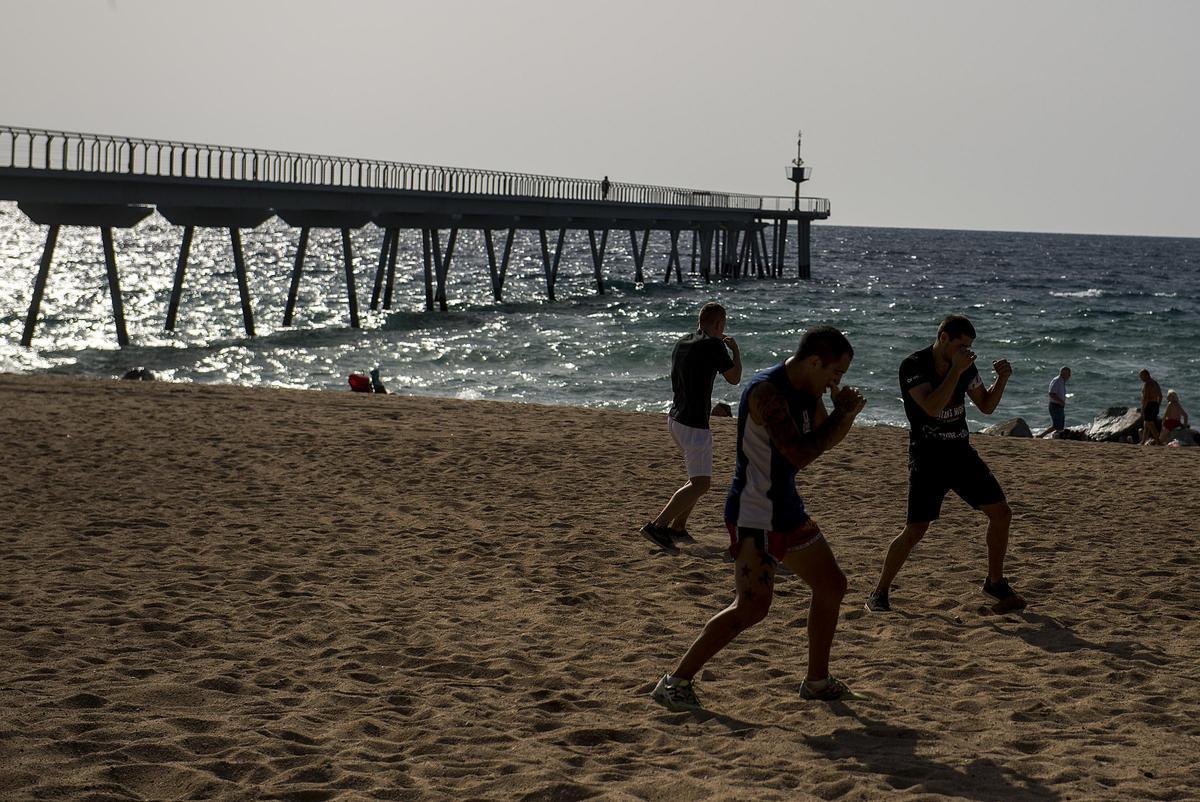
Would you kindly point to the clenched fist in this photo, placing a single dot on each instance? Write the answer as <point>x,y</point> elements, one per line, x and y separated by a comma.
<point>849,401</point>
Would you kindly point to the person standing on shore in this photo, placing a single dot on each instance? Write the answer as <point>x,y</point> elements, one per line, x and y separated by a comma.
<point>933,383</point>
<point>782,427</point>
<point>697,359</point>
<point>1058,402</point>
<point>1151,399</point>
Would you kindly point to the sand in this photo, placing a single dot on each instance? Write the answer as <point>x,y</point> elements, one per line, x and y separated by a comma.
<point>229,593</point>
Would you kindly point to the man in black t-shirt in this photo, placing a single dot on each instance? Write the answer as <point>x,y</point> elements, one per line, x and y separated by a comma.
<point>695,363</point>
<point>934,383</point>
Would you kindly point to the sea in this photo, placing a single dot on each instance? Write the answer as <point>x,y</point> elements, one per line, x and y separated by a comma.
<point>1106,306</point>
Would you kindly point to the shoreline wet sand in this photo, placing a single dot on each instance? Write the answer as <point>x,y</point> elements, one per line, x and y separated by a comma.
<point>237,593</point>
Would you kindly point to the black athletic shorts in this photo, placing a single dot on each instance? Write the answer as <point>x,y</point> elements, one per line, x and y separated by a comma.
<point>1150,412</point>
<point>931,476</point>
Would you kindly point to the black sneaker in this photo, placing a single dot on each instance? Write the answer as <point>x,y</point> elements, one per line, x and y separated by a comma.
<point>676,694</point>
<point>878,602</point>
<point>1006,598</point>
<point>681,535</point>
<point>659,536</point>
<point>834,689</point>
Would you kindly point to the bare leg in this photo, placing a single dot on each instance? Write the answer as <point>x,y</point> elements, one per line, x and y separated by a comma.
<point>898,553</point>
<point>999,518</point>
<point>817,566</point>
<point>755,582</point>
<point>676,513</point>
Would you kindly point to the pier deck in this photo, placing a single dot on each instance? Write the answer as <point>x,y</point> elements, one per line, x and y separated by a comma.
<point>67,179</point>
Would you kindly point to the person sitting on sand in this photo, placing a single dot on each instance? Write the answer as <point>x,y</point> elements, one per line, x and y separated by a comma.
<point>697,359</point>
<point>1174,416</point>
<point>1151,398</point>
<point>1058,402</point>
<point>782,427</point>
<point>933,383</point>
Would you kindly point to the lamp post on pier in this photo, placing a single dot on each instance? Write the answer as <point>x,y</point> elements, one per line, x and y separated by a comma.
<point>797,173</point>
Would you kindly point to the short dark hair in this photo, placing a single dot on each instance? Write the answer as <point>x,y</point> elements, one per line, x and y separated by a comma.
<point>825,342</point>
<point>956,326</point>
<point>711,310</point>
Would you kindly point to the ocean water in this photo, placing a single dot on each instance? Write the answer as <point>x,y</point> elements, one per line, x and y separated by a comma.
<point>1105,306</point>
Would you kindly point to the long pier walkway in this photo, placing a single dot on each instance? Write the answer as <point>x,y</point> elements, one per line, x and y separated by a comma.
<point>70,179</point>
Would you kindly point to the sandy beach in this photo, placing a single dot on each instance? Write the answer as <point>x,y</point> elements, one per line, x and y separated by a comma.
<point>214,592</point>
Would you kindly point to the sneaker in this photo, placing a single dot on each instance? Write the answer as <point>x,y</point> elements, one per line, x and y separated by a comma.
<point>659,536</point>
<point>676,694</point>
<point>1006,598</point>
<point>834,689</point>
<point>878,602</point>
<point>681,536</point>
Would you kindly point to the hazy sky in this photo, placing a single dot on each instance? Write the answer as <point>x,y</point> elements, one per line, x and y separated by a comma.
<point>1034,116</point>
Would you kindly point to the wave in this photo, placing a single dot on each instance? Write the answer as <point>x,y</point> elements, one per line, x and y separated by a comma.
<point>1089,293</point>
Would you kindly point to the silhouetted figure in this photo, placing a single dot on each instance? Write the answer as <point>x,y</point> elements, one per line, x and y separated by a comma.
<point>139,374</point>
<point>605,186</point>
<point>376,382</point>
<point>1151,398</point>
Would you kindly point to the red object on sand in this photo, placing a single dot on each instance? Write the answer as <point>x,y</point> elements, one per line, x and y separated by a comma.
<point>360,383</point>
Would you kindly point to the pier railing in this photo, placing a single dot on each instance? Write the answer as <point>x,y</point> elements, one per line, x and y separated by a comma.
<point>33,149</point>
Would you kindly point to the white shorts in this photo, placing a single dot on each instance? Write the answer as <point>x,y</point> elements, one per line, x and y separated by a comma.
<point>696,445</point>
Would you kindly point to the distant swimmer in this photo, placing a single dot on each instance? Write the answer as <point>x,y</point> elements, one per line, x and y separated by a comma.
<point>695,362</point>
<point>782,427</point>
<point>933,383</point>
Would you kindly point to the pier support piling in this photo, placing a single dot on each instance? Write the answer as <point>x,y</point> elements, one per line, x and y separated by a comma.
<point>706,248</point>
<point>427,255</point>
<point>673,258</point>
<point>239,266</point>
<point>385,247</point>
<point>441,262</point>
<point>598,257</point>
<point>498,273</point>
<point>351,295</point>
<point>114,286</point>
<point>185,249</point>
<point>551,267</point>
<point>639,254</point>
<point>803,245</point>
<point>391,268</point>
<point>39,284</point>
<point>297,269</point>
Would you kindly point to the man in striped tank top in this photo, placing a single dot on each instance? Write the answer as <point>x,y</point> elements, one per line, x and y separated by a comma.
<point>782,427</point>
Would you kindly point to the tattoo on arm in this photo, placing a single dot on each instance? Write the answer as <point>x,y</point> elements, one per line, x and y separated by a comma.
<point>797,447</point>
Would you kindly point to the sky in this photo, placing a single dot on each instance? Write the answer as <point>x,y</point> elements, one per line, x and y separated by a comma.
<point>1056,115</point>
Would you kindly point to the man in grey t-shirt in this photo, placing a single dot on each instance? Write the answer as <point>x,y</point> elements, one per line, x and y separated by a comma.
<point>1058,402</point>
<point>695,362</point>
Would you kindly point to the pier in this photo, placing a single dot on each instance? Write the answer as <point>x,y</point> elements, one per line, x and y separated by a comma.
<point>70,179</point>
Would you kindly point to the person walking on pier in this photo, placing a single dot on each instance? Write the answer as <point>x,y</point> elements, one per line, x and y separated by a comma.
<point>605,186</point>
<point>697,359</point>
<point>933,383</point>
<point>782,427</point>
